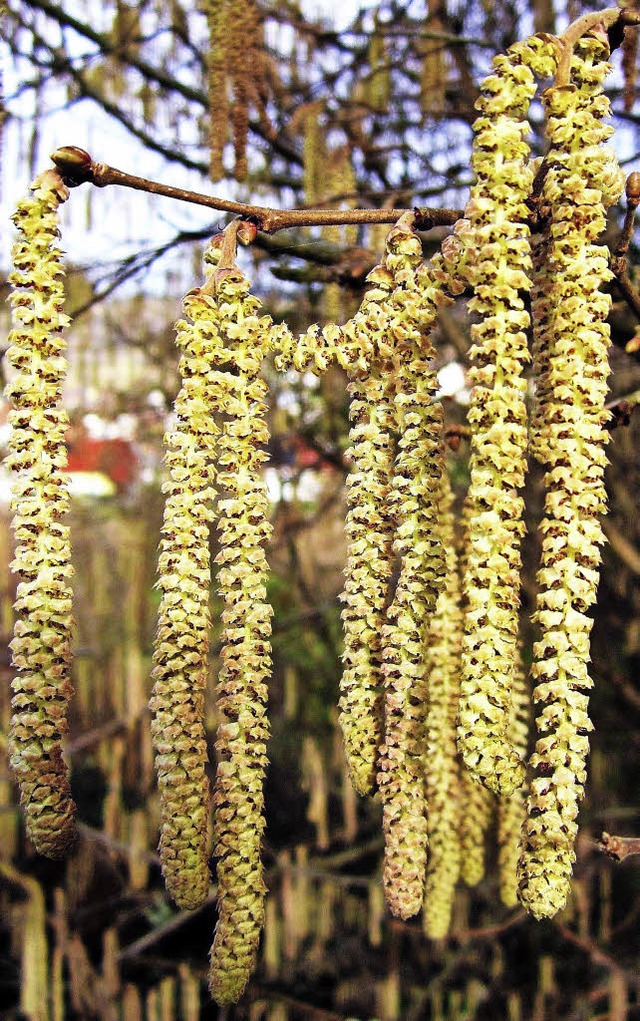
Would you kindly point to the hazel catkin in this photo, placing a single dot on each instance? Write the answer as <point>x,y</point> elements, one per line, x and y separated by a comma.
<point>582,180</point>
<point>41,645</point>
<point>497,263</point>
<point>243,730</point>
<point>181,656</point>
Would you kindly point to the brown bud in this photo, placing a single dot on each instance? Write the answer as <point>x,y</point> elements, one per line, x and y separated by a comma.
<point>633,188</point>
<point>73,163</point>
<point>247,232</point>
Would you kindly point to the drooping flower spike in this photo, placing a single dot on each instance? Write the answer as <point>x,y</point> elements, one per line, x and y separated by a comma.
<point>370,556</point>
<point>41,646</point>
<point>243,530</point>
<point>440,759</point>
<point>415,502</point>
<point>511,807</point>
<point>498,264</point>
<point>181,656</point>
<point>582,180</point>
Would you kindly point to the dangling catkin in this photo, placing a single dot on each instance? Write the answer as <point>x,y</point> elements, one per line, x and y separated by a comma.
<point>497,271</point>
<point>441,766</point>
<point>41,646</point>
<point>181,655</point>
<point>217,14</point>
<point>414,497</point>
<point>370,558</point>
<point>582,180</point>
<point>511,807</point>
<point>476,800</point>
<point>243,530</point>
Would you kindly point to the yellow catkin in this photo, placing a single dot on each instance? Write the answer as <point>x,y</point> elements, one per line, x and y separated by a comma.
<point>441,765</point>
<point>243,64</point>
<point>370,558</point>
<point>498,265</point>
<point>181,655</point>
<point>41,646</point>
<point>378,82</point>
<point>476,801</point>
<point>541,308</point>
<point>582,180</point>
<point>352,346</point>
<point>217,15</point>
<point>314,155</point>
<point>477,813</point>
<point>243,731</point>
<point>420,292</point>
<point>511,807</point>
<point>433,75</point>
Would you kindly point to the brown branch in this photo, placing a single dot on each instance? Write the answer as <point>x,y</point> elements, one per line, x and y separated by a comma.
<point>621,546</point>
<point>621,409</point>
<point>627,290</point>
<point>77,167</point>
<point>597,955</point>
<point>619,258</point>
<point>619,848</point>
<point>632,191</point>
<point>95,736</point>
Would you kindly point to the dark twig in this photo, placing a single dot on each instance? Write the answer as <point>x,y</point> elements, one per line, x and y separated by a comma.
<point>77,167</point>
<point>619,258</point>
<point>619,848</point>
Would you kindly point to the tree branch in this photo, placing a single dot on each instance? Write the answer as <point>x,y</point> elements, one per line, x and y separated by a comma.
<point>619,848</point>
<point>77,167</point>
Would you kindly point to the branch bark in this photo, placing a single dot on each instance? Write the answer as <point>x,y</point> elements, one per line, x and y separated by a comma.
<point>619,848</point>
<point>77,167</point>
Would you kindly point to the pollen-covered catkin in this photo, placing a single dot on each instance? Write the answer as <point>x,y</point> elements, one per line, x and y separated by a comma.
<point>370,557</point>
<point>441,765</point>
<point>477,801</point>
<point>474,823</point>
<point>41,646</point>
<point>217,15</point>
<point>511,807</point>
<point>181,655</point>
<point>582,180</point>
<point>414,496</point>
<point>497,269</point>
<point>243,529</point>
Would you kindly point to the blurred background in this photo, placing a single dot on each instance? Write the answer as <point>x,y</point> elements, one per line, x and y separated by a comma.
<point>343,107</point>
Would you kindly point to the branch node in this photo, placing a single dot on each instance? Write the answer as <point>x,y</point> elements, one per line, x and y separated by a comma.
<point>619,848</point>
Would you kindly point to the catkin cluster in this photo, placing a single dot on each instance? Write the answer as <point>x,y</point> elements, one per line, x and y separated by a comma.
<point>434,703</point>
<point>236,79</point>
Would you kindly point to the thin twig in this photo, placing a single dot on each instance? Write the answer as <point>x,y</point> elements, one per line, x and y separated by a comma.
<point>621,409</point>
<point>632,191</point>
<point>77,167</point>
<point>628,291</point>
<point>619,848</point>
